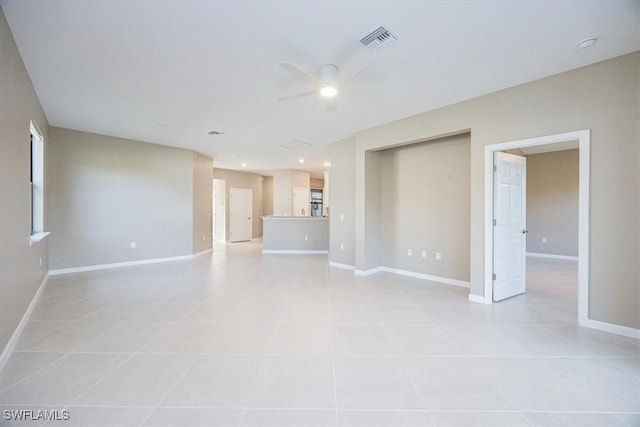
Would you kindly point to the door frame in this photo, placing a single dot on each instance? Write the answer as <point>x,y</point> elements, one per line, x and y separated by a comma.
<point>584,141</point>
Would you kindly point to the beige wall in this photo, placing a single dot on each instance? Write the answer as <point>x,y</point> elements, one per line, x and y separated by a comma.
<point>552,202</point>
<point>235,179</point>
<point>267,195</point>
<point>284,180</point>
<point>300,179</point>
<point>603,97</point>
<point>202,202</point>
<point>282,196</point>
<point>342,192</point>
<point>425,206</point>
<point>20,270</point>
<point>316,183</point>
<point>107,192</point>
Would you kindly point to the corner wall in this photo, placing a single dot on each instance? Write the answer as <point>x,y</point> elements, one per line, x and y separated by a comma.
<point>202,202</point>
<point>107,192</point>
<point>603,97</point>
<point>342,201</point>
<point>22,266</point>
<point>425,207</point>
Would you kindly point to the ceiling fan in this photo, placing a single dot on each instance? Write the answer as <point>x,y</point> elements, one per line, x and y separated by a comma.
<point>327,81</point>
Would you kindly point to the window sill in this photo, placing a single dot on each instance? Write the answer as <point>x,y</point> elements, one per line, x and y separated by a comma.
<point>36,237</point>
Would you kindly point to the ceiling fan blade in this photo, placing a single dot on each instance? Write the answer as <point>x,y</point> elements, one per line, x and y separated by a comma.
<point>298,95</point>
<point>352,69</point>
<point>332,105</point>
<point>300,72</point>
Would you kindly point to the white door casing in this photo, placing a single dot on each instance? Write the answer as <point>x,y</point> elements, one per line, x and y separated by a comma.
<point>240,214</point>
<point>509,231</point>
<point>301,202</point>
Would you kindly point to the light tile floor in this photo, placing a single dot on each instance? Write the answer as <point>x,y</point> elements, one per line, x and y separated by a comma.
<point>238,338</point>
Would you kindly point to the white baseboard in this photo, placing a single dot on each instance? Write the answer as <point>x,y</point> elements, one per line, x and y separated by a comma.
<point>429,277</point>
<point>478,298</point>
<point>295,252</point>
<point>413,274</point>
<point>612,328</point>
<point>343,266</point>
<point>552,256</point>
<point>123,264</point>
<point>206,251</point>
<point>11,344</point>
<point>367,272</point>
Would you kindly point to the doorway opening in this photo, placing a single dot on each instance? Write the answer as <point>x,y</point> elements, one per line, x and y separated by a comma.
<point>219,212</point>
<point>583,141</point>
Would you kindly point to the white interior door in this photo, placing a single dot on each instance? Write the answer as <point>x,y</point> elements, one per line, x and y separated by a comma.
<point>509,231</point>
<point>301,203</point>
<point>240,214</point>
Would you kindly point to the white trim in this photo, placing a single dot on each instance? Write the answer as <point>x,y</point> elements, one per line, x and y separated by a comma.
<point>367,272</point>
<point>122,264</point>
<point>11,344</point>
<point>552,256</point>
<point>438,279</point>
<point>343,266</point>
<point>37,237</point>
<point>584,139</point>
<point>478,298</point>
<point>613,328</point>
<point>206,251</point>
<point>295,252</point>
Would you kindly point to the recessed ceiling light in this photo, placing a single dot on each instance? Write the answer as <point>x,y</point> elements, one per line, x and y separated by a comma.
<point>244,165</point>
<point>328,91</point>
<point>327,164</point>
<point>586,43</point>
<point>300,160</point>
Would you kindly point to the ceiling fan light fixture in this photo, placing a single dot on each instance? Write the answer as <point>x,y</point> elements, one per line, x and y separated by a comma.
<point>328,91</point>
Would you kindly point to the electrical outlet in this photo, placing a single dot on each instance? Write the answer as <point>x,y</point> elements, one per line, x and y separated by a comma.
<point>40,261</point>
<point>409,252</point>
<point>204,238</point>
<point>342,247</point>
<point>341,217</point>
<point>133,245</point>
<point>424,254</point>
<point>306,237</point>
<point>544,240</point>
<point>438,256</point>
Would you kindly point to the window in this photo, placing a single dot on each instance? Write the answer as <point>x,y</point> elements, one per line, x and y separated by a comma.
<point>37,185</point>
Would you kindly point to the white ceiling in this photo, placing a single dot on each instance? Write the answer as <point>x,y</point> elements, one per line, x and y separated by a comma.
<point>169,71</point>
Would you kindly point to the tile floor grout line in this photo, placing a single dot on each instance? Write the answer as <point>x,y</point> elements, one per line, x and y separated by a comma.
<point>155,408</point>
<point>406,372</point>
<point>333,365</point>
<point>263,362</point>
<point>64,356</point>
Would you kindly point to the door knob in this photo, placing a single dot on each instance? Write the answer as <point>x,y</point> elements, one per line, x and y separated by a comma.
<point>525,231</point>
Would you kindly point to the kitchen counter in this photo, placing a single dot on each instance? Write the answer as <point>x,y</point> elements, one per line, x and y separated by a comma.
<point>295,234</point>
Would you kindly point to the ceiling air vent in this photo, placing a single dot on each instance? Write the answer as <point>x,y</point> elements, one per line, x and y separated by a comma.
<point>377,38</point>
<point>215,133</point>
